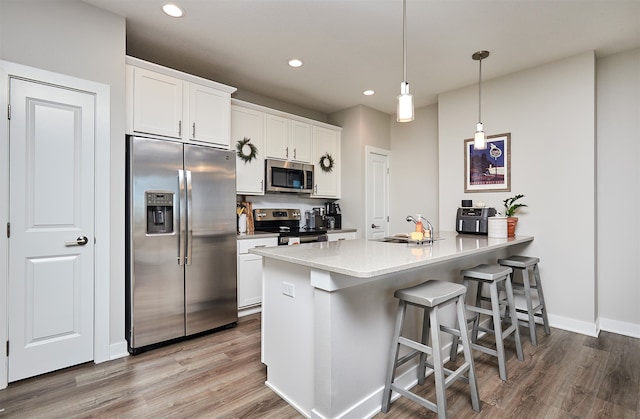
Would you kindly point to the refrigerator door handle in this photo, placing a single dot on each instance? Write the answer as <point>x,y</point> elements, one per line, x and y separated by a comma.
<point>189,215</point>
<point>182,215</point>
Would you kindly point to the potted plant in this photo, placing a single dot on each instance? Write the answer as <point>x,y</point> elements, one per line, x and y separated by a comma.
<point>510,208</point>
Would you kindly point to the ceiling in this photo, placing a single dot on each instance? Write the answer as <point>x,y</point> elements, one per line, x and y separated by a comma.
<point>351,45</point>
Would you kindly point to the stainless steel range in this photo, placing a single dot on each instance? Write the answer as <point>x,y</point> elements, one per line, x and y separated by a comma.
<point>286,222</point>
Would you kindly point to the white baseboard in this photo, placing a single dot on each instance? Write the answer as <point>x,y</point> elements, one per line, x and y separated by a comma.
<point>621,328</point>
<point>118,350</point>
<point>249,310</point>
<point>573,325</point>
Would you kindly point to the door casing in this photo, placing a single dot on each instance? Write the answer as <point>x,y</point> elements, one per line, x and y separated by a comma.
<point>102,266</point>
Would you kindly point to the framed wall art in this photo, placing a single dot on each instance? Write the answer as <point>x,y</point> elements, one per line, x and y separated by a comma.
<point>488,170</point>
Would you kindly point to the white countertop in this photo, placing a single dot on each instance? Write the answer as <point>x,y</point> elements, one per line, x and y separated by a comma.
<point>365,258</point>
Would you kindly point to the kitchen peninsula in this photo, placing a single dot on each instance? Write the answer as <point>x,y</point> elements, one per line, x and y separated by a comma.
<point>328,312</point>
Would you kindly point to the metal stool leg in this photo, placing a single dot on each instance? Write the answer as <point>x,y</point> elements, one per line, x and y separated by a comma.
<point>545,320</point>
<point>468,356</point>
<point>438,372</point>
<point>497,327</point>
<point>530,313</point>
<point>395,348</point>
<point>422,369</point>
<point>514,316</point>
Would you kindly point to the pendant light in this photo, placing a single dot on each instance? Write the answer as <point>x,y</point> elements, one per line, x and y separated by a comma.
<point>479,140</point>
<point>405,100</point>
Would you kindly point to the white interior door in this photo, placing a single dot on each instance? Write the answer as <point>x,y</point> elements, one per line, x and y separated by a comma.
<point>51,212</point>
<point>377,193</point>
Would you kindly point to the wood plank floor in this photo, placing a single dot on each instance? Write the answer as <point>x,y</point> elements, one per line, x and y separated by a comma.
<point>220,376</point>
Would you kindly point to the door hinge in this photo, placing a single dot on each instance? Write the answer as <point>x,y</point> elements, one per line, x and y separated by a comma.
<point>8,230</point>
<point>8,111</point>
<point>387,218</point>
<point>7,348</point>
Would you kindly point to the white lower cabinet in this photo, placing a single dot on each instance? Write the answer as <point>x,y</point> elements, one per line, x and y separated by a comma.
<point>334,237</point>
<point>250,271</point>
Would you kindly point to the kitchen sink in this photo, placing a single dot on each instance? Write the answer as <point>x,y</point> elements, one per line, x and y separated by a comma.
<point>399,239</point>
<point>394,240</point>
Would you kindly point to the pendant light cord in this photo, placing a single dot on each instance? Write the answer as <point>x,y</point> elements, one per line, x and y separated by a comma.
<point>404,39</point>
<point>480,92</point>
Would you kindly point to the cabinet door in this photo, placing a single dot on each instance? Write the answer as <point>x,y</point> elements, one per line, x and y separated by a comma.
<point>300,142</point>
<point>209,117</point>
<point>249,280</point>
<point>249,123</point>
<point>277,137</point>
<point>157,104</point>
<point>327,183</point>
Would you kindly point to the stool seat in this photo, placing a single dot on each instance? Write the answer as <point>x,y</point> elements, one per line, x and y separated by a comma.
<point>487,272</point>
<point>519,261</point>
<point>430,293</point>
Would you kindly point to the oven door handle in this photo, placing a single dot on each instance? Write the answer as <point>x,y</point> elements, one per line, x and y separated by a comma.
<point>310,239</point>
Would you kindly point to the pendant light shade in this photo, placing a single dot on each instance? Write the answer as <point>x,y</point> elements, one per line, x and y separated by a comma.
<point>479,139</point>
<point>405,103</point>
<point>405,99</point>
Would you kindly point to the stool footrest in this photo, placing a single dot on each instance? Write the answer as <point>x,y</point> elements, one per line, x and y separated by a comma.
<point>414,397</point>
<point>450,372</point>
<point>415,345</point>
<point>408,357</point>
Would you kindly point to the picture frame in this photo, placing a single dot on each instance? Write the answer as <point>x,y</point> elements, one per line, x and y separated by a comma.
<point>488,170</point>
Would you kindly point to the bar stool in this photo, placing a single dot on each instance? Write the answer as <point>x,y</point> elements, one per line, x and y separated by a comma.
<point>529,265</point>
<point>494,276</point>
<point>431,296</point>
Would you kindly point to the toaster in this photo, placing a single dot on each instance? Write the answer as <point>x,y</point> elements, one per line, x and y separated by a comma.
<point>474,220</point>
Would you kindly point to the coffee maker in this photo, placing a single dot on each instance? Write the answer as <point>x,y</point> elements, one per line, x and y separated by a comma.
<point>332,210</point>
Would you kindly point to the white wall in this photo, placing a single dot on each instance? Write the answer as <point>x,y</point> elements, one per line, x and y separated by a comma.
<point>550,113</point>
<point>414,170</point>
<point>618,186</point>
<point>361,126</point>
<point>74,38</point>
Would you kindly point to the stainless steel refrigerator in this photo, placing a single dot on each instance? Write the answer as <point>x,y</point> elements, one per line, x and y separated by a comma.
<point>181,241</point>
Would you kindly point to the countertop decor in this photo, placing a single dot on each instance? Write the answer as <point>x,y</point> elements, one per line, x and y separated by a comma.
<point>510,208</point>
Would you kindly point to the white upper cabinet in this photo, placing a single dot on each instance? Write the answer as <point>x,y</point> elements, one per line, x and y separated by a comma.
<point>288,139</point>
<point>300,141</point>
<point>209,111</point>
<point>165,103</point>
<point>249,123</point>
<point>277,135</point>
<point>326,142</point>
<point>157,104</point>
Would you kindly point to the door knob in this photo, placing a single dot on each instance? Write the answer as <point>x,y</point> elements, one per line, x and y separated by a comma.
<point>374,226</point>
<point>80,241</point>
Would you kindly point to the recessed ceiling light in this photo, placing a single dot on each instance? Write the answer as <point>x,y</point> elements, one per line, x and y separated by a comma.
<point>295,63</point>
<point>368,92</point>
<point>172,10</point>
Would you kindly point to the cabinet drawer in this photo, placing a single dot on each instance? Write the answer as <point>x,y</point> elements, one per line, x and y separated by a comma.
<point>245,245</point>
<point>334,237</point>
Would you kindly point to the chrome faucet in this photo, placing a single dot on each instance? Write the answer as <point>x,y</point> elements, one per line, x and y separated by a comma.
<point>428,239</point>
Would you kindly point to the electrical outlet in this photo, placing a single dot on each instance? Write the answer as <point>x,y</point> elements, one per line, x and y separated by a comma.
<point>288,289</point>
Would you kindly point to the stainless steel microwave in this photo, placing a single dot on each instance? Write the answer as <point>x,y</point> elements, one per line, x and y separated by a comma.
<point>286,176</point>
